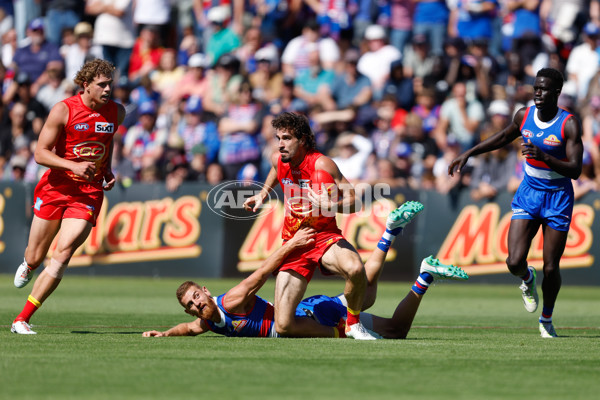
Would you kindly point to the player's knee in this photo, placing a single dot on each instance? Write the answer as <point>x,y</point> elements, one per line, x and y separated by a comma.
<point>284,328</point>
<point>55,269</point>
<point>515,265</point>
<point>355,270</point>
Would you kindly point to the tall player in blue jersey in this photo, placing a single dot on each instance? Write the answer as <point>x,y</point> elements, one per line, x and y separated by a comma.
<point>554,151</point>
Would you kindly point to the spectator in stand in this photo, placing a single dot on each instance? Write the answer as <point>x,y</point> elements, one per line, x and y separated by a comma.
<point>524,20</point>
<point>239,130</point>
<point>252,41</point>
<point>453,184</point>
<point>223,40</point>
<point>584,60</point>
<point>376,62</point>
<point>215,174</point>
<point>431,19</point>
<point>57,89</point>
<point>144,92</point>
<point>36,113</point>
<point>146,53</point>
<point>295,55</point>
<point>460,118</point>
<point>473,19</point>
<point>15,130</point>
<point>168,75</point>
<point>156,13</point>
<point>193,82</point>
<point>400,86</point>
<point>113,31</point>
<point>591,133</point>
<point>350,153</point>
<point>195,130</point>
<point>82,51</point>
<point>122,166</point>
<point>587,181</point>
<point>145,142</point>
<point>313,84</point>
<point>267,80</point>
<point>332,16</point>
<point>205,29</point>
<point>37,57</point>
<point>418,62</point>
<point>6,17</point>
<point>427,109</point>
<point>9,47</point>
<point>61,14</point>
<point>223,85</point>
<point>401,23</point>
<point>424,148</point>
<point>350,88</point>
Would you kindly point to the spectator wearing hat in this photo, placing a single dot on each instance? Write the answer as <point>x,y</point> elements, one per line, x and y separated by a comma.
<point>145,142</point>
<point>350,88</point>
<point>239,130</point>
<point>82,51</point>
<point>193,82</point>
<point>37,57</point>
<point>223,39</point>
<point>431,19</point>
<point>195,129</point>
<point>146,53</point>
<point>113,31</point>
<point>223,85</point>
<point>583,61</point>
<point>295,56</point>
<point>267,80</point>
<point>375,63</point>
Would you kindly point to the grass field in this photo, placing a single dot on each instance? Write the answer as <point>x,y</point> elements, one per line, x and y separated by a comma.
<point>468,342</point>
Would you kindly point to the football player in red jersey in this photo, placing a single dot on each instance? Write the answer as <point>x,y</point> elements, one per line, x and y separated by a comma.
<point>76,145</point>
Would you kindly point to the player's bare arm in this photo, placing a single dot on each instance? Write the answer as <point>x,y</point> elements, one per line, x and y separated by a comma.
<point>240,298</point>
<point>193,328</point>
<point>496,141</point>
<point>109,177</point>
<point>253,203</point>
<point>44,153</point>
<point>344,204</point>
<point>571,167</point>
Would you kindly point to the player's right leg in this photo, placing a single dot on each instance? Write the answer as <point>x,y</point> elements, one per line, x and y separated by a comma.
<point>520,235</point>
<point>289,290</point>
<point>41,235</point>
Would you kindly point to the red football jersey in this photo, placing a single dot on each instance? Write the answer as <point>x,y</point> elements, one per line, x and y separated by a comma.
<point>298,209</point>
<point>86,137</point>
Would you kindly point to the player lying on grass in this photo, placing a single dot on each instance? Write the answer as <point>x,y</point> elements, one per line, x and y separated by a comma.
<point>240,312</point>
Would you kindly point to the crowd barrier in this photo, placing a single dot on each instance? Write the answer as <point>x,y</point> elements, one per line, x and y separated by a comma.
<point>202,231</point>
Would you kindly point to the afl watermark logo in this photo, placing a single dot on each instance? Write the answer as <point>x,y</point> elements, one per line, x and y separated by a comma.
<point>90,151</point>
<point>81,127</point>
<point>104,127</point>
<point>227,199</point>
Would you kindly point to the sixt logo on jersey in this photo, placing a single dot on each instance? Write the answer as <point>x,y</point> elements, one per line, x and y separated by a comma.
<point>81,127</point>
<point>90,151</point>
<point>527,133</point>
<point>104,127</point>
<point>552,140</point>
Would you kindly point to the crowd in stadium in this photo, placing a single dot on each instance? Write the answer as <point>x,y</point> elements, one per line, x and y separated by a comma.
<point>394,90</point>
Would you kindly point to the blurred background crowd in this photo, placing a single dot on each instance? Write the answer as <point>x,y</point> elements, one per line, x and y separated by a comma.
<point>394,90</point>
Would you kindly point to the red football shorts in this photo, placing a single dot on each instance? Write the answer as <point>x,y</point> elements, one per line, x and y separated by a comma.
<point>305,260</point>
<point>62,198</point>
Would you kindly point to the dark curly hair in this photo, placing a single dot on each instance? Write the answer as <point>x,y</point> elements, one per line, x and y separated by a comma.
<point>93,69</point>
<point>553,74</point>
<point>297,125</point>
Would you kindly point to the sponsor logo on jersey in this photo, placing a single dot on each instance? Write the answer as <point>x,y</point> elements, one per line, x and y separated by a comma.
<point>527,133</point>
<point>287,181</point>
<point>304,183</point>
<point>90,207</point>
<point>94,115</point>
<point>519,211</point>
<point>552,140</point>
<point>90,151</point>
<point>540,134</point>
<point>239,325</point>
<point>104,127</point>
<point>295,172</point>
<point>81,127</point>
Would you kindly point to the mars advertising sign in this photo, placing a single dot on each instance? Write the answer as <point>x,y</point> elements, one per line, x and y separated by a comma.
<point>478,241</point>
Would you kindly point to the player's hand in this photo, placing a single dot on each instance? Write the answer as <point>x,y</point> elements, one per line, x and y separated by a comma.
<point>303,237</point>
<point>530,150</point>
<point>457,164</point>
<point>253,203</point>
<point>110,181</point>
<point>85,170</point>
<point>321,200</point>
<point>152,334</point>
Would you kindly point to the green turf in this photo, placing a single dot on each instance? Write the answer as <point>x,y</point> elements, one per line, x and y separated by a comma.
<point>468,342</point>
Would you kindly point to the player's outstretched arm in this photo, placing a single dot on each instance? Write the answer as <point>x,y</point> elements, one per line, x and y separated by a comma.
<point>244,292</point>
<point>193,328</point>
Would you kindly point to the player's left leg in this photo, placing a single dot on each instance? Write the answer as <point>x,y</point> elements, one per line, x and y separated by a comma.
<point>72,234</point>
<point>399,325</point>
<point>554,246</point>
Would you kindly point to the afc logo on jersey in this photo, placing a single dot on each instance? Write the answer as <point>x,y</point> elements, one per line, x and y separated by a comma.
<point>81,127</point>
<point>90,151</point>
<point>527,133</point>
<point>552,140</point>
<point>287,181</point>
<point>104,127</point>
